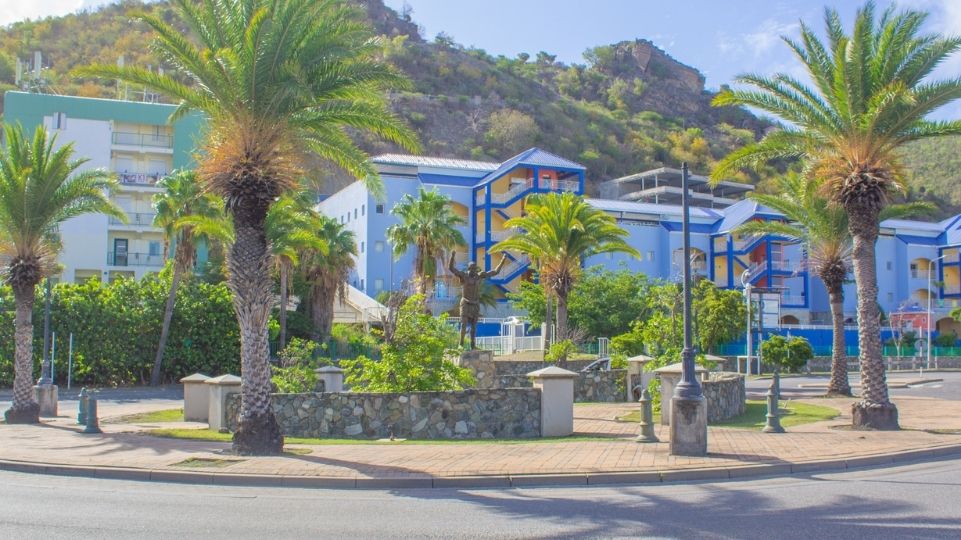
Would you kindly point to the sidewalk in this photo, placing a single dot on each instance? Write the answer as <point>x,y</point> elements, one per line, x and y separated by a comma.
<point>123,451</point>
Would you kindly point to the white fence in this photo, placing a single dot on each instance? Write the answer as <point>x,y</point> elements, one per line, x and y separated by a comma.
<point>510,344</point>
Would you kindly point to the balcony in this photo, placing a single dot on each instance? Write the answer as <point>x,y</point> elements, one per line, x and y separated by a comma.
<point>139,179</point>
<point>792,300</point>
<point>142,140</point>
<point>135,219</point>
<point>745,241</point>
<point>134,259</point>
<point>517,189</point>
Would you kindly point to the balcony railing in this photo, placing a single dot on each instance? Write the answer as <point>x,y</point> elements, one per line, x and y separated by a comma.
<point>512,266</point>
<point>792,300</point>
<point>135,218</point>
<point>140,139</point>
<point>516,189</point>
<point>786,265</point>
<point>134,259</point>
<point>139,179</point>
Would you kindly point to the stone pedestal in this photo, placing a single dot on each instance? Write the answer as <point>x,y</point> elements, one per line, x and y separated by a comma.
<point>219,388</point>
<point>688,426</point>
<point>481,364</point>
<point>47,396</point>
<point>557,400</point>
<point>333,378</point>
<point>196,397</point>
<point>636,377</point>
<point>670,376</point>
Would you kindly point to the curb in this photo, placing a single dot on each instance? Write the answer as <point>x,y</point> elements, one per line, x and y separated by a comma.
<point>481,481</point>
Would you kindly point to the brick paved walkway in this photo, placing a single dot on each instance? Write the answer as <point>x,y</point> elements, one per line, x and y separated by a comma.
<point>124,445</point>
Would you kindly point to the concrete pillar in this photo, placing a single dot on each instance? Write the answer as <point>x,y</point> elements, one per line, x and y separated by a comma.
<point>196,397</point>
<point>670,376</point>
<point>219,388</point>
<point>635,371</point>
<point>481,364</point>
<point>557,400</point>
<point>48,395</point>
<point>333,378</point>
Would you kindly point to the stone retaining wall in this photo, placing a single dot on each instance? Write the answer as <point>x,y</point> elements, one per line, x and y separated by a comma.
<point>523,367</point>
<point>725,396</point>
<point>596,386</point>
<point>468,414</point>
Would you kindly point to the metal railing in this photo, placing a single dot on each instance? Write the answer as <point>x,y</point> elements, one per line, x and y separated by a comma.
<point>140,219</point>
<point>514,266</point>
<point>134,259</point>
<point>141,179</point>
<point>141,139</point>
<point>745,241</point>
<point>792,300</point>
<point>755,270</point>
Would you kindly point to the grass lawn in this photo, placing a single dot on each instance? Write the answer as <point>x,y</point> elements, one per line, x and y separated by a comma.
<point>210,435</point>
<point>793,413</point>
<point>167,415</point>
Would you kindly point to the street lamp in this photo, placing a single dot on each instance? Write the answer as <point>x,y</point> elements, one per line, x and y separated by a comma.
<point>930,265</point>
<point>688,410</point>
<point>746,282</point>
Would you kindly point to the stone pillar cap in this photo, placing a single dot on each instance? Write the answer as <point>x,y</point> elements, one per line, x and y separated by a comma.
<point>196,377</point>
<point>676,368</point>
<point>642,358</point>
<point>552,372</point>
<point>225,380</point>
<point>328,369</point>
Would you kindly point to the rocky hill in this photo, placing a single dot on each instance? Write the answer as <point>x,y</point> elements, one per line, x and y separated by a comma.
<point>628,107</point>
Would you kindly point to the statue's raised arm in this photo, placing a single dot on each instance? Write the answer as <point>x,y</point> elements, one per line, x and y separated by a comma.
<point>496,270</point>
<point>453,268</point>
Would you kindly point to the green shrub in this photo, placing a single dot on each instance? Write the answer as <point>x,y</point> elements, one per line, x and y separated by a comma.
<point>560,351</point>
<point>298,352</point>
<point>946,339</point>
<point>297,379</point>
<point>789,354</point>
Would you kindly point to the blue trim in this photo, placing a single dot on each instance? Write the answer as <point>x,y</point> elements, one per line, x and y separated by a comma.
<point>443,179</point>
<point>711,251</point>
<point>767,254</point>
<point>941,274</point>
<point>487,227</point>
<point>695,227</point>
<point>730,262</point>
<point>917,240</point>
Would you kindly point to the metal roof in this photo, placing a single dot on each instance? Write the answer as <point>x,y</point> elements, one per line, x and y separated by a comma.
<point>428,161</point>
<point>609,205</point>
<point>533,157</point>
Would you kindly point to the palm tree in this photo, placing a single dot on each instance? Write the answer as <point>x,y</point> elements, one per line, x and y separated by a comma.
<point>278,81</point>
<point>429,225</point>
<point>558,233</point>
<point>182,198</point>
<point>326,272</point>
<point>870,97</point>
<point>823,229</point>
<point>291,224</point>
<point>40,188</point>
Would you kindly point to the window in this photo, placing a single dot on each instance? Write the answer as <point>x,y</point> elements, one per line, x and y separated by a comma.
<point>379,209</point>
<point>378,284</point>
<point>361,247</point>
<point>362,208</point>
<point>890,297</point>
<point>650,255</point>
<point>914,270</point>
<point>154,248</point>
<point>889,266</point>
<point>355,213</point>
<point>378,246</point>
<point>361,284</point>
<point>348,217</point>
<point>59,120</point>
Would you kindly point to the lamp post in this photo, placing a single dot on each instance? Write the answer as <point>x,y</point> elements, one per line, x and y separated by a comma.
<point>688,410</point>
<point>45,378</point>
<point>930,265</point>
<point>745,281</point>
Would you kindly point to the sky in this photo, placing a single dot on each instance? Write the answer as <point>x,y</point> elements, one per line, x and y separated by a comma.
<point>720,38</point>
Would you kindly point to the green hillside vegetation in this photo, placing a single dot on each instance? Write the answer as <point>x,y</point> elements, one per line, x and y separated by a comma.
<point>627,108</point>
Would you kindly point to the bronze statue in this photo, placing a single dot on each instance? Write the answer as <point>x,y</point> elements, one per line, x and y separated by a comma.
<point>470,282</point>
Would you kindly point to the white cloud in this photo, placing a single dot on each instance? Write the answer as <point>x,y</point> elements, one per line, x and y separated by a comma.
<point>17,10</point>
<point>767,35</point>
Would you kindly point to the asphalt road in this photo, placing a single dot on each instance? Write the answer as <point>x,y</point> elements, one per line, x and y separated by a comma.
<point>948,388</point>
<point>910,501</point>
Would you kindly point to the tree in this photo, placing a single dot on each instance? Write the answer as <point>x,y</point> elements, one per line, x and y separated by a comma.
<point>278,81</point>
<point>719,315</point>
<point>822,227</point>
<point>511,131</point>
<point>417,359</point>
<point>291,227</point>
<point>870,97</point>
<point>40,188</point>
<point>179,208</point>
<point>327,271</point>
<point>787,353</point>
<point>558,233</point>
<point>429,225</point>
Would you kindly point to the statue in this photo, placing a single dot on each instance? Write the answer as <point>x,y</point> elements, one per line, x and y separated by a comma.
<point>470,282</point>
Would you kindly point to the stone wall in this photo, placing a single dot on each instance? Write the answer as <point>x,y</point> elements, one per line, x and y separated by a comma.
<point>468,414</point>
<point>596,386</point>
<point>517,367</point>
<point>725,396</point>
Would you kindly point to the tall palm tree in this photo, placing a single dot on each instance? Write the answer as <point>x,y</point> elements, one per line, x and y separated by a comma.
<point>278,80</point>
<point>870,97</point>
<point>822,227</point>
<point>427,224</point>
<point>291,225</point>
<point>326,272</point>
<point>40,188</point>
<point>558,232</point>
<point>183,197</point>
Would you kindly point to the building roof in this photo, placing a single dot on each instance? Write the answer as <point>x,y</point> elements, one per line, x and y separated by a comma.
<point>533,157</point>
<point>428,161</point>
<point>609,205</point>
<point>742,211</point>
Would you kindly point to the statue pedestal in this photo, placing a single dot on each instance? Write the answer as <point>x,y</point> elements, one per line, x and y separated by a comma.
<point>481,364</point>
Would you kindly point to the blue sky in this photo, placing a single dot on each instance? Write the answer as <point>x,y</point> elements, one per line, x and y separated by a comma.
<point>721,38</point>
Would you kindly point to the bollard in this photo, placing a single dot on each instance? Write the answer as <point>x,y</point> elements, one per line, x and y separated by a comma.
<point>82,407</point>
<point>647,419</point>
<point>93,424</point>
<point>773,424</point>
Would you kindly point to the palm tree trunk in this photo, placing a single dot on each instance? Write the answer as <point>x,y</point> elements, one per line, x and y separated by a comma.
<point>282,315</point>
<point>249,262</point>
<point>322,313</point>
<point>839,364</point>
<point>562,322</point>
<point>24,409</point>
<point>874,410</point>
<point>165,328</point>
<point>548,320</point>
